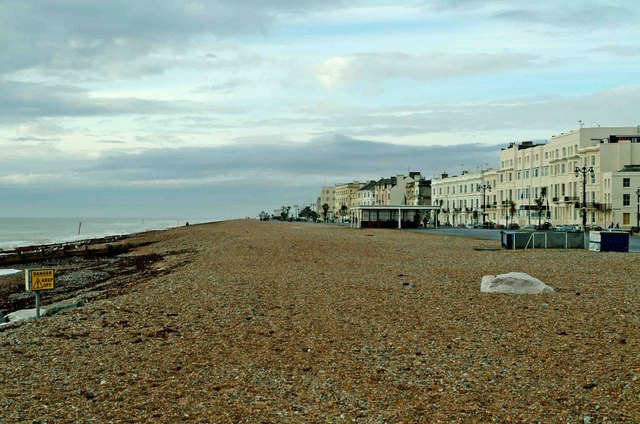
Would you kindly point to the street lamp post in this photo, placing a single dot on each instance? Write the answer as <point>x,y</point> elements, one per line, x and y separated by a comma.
<point>584,171</point>
<point>529,207</point>
<point>638,206</point>
<point>484,188</point>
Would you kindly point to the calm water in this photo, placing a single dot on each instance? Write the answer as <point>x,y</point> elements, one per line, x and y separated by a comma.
<point>16,232</point>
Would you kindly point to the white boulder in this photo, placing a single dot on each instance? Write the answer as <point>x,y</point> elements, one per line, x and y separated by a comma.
<point>514,283</point>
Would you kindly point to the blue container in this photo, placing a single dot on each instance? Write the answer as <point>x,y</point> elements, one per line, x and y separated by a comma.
<point>614,241</point>
<point>508,239</point>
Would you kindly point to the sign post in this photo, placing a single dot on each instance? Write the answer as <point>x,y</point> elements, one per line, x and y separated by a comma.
<point>36,280</point>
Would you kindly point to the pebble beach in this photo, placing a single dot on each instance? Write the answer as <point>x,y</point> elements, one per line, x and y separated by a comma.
<point>247,321</point>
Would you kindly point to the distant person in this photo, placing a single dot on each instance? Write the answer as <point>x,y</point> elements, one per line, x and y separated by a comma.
<point>617,225</point>
<point>425,221</point>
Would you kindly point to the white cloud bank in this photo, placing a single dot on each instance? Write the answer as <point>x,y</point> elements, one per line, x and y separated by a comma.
<point>338,72</point>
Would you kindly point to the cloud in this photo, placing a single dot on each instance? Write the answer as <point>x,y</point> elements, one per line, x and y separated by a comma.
<point>226,87</point>
<point>336,157</point>
<point>24,101</point>
<point>575,14</point>
<point>341,71</point>
<point>203,181</point>
<point>70,35</point>
<point>282,164</point>
<point>487,120</point>
<point>618,50</point>
<point>546,12</point>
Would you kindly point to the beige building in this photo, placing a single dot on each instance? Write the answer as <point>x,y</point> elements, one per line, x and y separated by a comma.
<point>551,167</point>
<point>327,197</point>
<point>418,192</point>
<point>622,196</point>
<point>365,195</point>
<point>343,198</point>
<point>535,182</point>
<point>523,176</point>
<point>538,182</point>
<point>393,190</point>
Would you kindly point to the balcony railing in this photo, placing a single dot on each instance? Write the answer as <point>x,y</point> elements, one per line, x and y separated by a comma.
<point>594,205</point>
<point>571,199</point>
<point>604,206</point>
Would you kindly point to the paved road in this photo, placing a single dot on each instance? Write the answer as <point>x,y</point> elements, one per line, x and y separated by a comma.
<point>634,241</point>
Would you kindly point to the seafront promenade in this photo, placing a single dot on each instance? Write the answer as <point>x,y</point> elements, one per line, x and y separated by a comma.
<point>248,321</point>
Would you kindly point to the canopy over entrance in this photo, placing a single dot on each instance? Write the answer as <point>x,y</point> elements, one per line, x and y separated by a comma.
<point>393,216</point>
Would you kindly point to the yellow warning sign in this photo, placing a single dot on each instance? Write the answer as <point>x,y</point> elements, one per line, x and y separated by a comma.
<point>40,279</point>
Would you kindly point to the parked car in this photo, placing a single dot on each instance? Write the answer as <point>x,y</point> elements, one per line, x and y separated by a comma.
<point>565,228</point>
<point>514,227</point>
<point>544,226</point>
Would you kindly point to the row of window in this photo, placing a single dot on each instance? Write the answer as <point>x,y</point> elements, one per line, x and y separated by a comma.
<point>559,190</point>
<point>550,156</point>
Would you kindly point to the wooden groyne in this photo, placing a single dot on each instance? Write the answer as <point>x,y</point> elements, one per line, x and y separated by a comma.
<point>105,246</point>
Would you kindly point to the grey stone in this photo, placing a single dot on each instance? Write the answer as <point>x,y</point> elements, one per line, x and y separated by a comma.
<point>514,283</point>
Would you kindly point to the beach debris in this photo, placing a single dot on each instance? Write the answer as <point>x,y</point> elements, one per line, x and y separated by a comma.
<point>24,315</point>
<point>514,283</point>
<point>63,307</point>
<point>30,314</point>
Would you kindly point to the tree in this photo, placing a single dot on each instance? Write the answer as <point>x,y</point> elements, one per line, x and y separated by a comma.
<point>284,212</point>
<point>308,213</point>
<point>540,203</point>
<point>304,213</point>
<point>325,210</point>
<point>343,211</point>
<point>512,209</point>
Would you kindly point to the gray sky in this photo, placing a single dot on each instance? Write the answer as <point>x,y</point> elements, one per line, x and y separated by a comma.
<point>219,109</point>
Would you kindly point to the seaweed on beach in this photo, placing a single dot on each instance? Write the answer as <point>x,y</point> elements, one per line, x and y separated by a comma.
<point>101,271</point>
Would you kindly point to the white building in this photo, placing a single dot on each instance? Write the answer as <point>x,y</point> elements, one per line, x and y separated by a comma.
<point>463,199</point>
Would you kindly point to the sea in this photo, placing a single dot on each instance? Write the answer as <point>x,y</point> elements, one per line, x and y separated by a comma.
<point>17,232</point>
